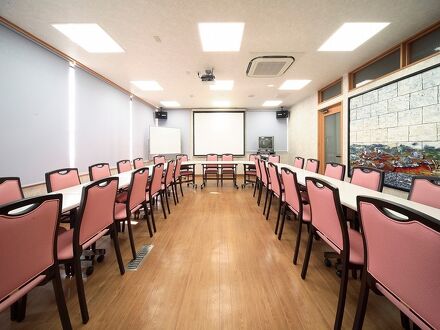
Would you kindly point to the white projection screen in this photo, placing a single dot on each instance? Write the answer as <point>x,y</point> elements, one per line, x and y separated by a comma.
<point>218,132</point>
<point>164,140</point>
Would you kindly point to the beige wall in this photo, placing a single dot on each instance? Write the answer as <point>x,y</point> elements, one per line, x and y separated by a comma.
<point>303,121</point>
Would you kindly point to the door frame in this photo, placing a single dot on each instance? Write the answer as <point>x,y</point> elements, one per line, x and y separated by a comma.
<point>330,110</point>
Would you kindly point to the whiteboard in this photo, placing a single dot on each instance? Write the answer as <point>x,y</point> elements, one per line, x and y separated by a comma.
<point>164,140</point>
<point>218,132</point>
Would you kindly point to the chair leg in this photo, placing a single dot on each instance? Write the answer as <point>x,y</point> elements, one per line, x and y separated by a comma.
<point>260,192</point>
<point>270,204</point>
<point>114,235</point>
<point>130,235</point>
<point>342,295</point>
<point>280,211</point>
<point>255,187</point>
<point>265,201</point>
<point>80,289</point>
<point>362,303</point>
<point>162,204</point>
<point>166,198</point>
<point>174,193</point>
<point>307,256</point>
<point>280,233</point>
<point>180,184</point>
<point>298,240</point>
<point>152,218</point>
<point>280,204</point>
<point>20,307</point>
<point>146,217</point>
<point>60,299</point>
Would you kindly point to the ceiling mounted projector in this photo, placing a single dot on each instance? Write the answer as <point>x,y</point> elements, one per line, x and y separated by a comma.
<point>208,76</point>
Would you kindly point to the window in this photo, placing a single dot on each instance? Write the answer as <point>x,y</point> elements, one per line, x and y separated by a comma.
<point>330,91</point>
<point>424,46</point>
<point>376,69</point>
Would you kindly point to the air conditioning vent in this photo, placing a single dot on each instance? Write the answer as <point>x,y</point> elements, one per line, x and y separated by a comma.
<point>269,66</point>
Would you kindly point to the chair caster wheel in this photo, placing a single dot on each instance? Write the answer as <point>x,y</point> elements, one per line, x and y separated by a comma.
<point>100,258</point>
<point>89,270</point>
<point>339,273</point>
<point>327,262</point>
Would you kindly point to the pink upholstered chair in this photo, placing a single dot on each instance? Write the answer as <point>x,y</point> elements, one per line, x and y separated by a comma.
<point>273,159</point>
<point>249,172</point>
<point>425,190</point>
<point>187,173</point>
<point>367,177</point>
<point>61,179</point>
<point>210,171</point>
<point>168,182</point>
<point>95,219</point>
<point>28,253</point>
<point>298,162</point>
<point>312,165</point>
<point>135,201</point>
<point>177,178</point>
<point>99,171</point>
<point>293,202</point>
<point>10,190</point>
<point>123,166</point>
<point>335,171</point>
<point>276,189</point>
<point>159,159</point>
<point>228,171</point>
<point>402,261</point>
<point>328,222</point>
<point>138,163</point>
<point>155,191</point>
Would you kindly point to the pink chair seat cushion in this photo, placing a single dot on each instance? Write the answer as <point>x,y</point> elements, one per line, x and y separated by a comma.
<point>120,211</point>
<point>356,247</point>
<point>65,246</point>
<point>306,212</point>
<point>186,173</point>
<point>122,197</point>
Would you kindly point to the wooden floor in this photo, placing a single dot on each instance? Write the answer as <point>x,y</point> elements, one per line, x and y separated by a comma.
<point>216,264</point>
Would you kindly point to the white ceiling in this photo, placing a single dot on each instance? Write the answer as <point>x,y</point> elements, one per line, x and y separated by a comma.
<point>271,27</point>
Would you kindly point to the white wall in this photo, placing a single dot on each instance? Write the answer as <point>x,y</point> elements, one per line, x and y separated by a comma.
<point>265,123</point>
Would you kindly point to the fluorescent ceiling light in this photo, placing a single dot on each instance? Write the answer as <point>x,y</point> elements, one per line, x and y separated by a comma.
<point>350,36</point>
<point>221,103</point>
<point>147,85</point>
<point>170,104</point>
<point>272,103</point>
<point>221,37</point>
<point>290,85</point>
<point>222,85</point>
<point>91,37</point>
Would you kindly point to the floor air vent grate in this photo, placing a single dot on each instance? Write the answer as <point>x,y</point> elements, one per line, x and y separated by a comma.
<point>140,256</point>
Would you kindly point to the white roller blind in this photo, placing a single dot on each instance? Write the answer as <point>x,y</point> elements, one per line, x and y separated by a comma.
<point>164,140</point>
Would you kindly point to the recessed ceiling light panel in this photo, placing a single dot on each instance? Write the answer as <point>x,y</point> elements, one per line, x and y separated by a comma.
<point>147,85</point>
<point>272,103</point>
<point>290,85</point>
<point>350,36</point>
<point>91,37</point>
<point>221,37</point>
<point>222,85</point>
<point>170,104</point>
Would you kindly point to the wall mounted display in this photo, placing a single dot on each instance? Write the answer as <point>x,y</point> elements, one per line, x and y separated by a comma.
<point>396,128</point>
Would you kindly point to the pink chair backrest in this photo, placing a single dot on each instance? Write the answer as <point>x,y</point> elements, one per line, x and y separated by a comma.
<point>367,178</point>
<point>156,180</point>
<point>274,159</point>
<point>123,166</point>
<point>212,157</point>
<point>227,157</point>
<point>335,171</point>
<point>263,170</point>
<point>138,163</point>
<point>312,165</point>
<point>97,208</point>
<point>169,172</point>
<point>291,191</point>
<point>252,157</point>
<point>274,179</point>
<point>159,159</point>
<point>10,190</point>
<point>138,186</point>
<point>183,157</point>
<point>61,179</point>
<point>99,171</point>
<point>324,208</point>
<point>257,167</point>
<point>298,162</point>
<point>425,192</point>
<point>403,256</point>
<point>27,241</point>
<point>178,167</point>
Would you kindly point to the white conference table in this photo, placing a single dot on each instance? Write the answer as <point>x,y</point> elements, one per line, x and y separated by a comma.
<point>347,192</point>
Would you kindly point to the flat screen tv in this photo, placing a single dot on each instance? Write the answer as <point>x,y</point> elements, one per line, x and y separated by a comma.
<point>265,143</point>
